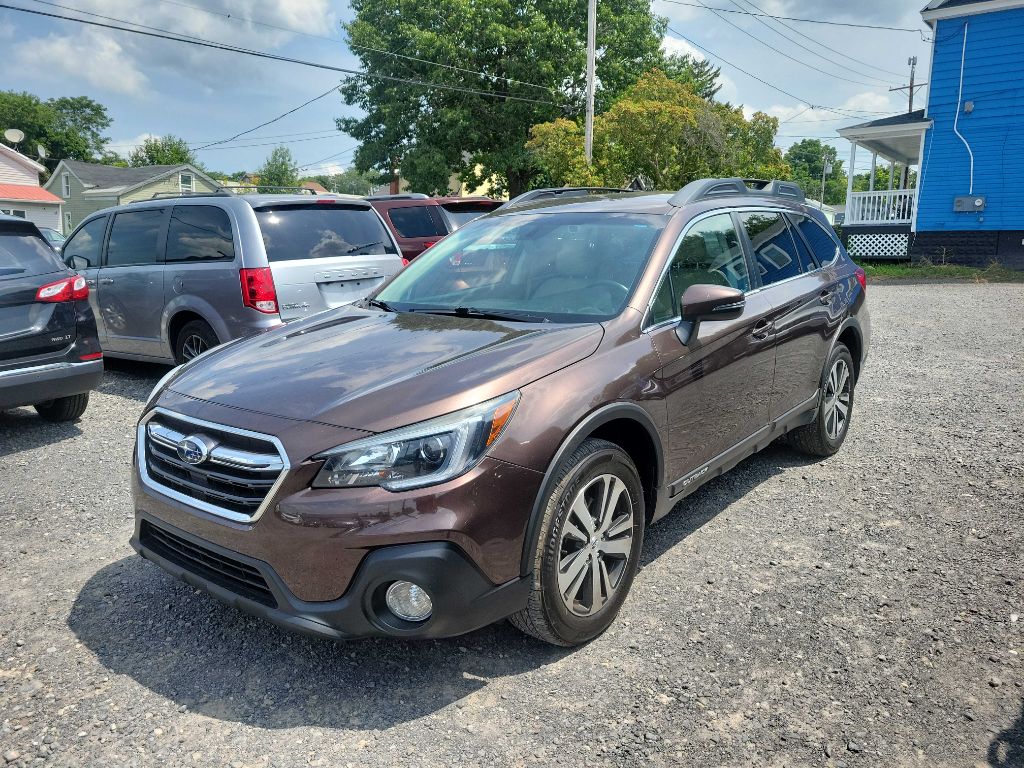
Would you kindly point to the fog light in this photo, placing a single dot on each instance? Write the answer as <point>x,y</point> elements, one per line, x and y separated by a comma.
<point>409,601</point>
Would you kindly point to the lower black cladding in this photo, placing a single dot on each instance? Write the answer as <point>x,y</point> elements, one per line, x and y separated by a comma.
<point>234,575</point>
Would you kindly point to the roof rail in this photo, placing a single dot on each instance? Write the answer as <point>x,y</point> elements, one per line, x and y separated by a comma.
<point>163,195</point>
<point>551,193</point>
<point>703,189</point>
<point>402,196</point>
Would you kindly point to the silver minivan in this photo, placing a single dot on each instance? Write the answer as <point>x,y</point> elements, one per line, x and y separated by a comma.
<point>173,277</point>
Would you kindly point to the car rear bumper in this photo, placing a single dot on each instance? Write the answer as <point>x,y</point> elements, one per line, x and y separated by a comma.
<point>42,383</point>
<point>463,598</point>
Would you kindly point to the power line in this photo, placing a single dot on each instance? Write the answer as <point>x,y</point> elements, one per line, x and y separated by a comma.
<point>329,157</point>
<point>712,54</point>
<point>235,17</point>
<point>808,37</point>
<point>797,43</point>
<point>805,21</point>
<point>165,35</point>
<point>788,56</point>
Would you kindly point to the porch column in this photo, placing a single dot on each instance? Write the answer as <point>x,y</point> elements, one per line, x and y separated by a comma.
<point>849,181</point>
<point>874,170</point>
<point>892,173</point>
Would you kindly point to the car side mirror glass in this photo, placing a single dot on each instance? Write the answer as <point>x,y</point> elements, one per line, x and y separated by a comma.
<point>77,263</point>
<point>704,302</point>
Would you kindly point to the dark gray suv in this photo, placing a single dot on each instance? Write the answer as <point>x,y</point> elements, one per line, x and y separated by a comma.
<point>173,277</point>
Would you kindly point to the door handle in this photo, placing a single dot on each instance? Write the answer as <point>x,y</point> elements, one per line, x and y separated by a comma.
<point>826,296</point>
<point>106,281</point>
<point>762,329</point>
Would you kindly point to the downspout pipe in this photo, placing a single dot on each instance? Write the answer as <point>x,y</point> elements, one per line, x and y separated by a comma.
<point>959,107</point>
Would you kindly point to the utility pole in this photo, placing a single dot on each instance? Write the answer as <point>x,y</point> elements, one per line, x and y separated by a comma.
<point>912,62</point>
<point>826,169</point>
<point>588,141</point>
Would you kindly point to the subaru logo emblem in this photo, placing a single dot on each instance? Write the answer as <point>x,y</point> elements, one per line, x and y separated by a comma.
<point>194,449</point>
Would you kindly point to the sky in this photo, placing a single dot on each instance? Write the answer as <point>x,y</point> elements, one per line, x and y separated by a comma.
<point>158,87</point>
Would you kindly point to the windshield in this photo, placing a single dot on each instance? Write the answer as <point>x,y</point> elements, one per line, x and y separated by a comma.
<point>562,267</point>
<point>321,230</point>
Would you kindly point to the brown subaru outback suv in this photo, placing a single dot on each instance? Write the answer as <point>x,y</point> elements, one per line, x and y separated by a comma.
<point>491,432</point>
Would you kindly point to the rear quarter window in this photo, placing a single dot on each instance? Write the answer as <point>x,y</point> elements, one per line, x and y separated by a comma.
<point>320,231</point>
<point>824,243</point>
<point>23,254</point>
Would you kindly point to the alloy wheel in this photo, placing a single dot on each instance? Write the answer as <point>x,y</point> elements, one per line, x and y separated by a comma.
<point>194,346</point>
<point>838,391</point>
<point>595,545</point>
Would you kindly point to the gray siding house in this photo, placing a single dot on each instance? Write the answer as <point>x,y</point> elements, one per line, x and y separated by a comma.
<point>89,187</point>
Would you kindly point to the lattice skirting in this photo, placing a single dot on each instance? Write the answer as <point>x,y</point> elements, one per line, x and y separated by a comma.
<point>879,245</point>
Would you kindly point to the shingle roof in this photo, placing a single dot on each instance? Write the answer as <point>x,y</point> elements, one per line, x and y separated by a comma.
<point>28,193</point>
<point>107,176</point>
<point>917,116</point>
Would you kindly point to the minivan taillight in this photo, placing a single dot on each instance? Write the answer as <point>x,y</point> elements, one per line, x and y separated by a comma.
<point>69,289</point>
<point>862,278</point>
<point>258,290</point>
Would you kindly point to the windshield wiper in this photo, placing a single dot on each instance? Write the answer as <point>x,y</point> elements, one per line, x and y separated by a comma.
<point>485,314</point>
<point>355,248</point>
<point>379,305</point>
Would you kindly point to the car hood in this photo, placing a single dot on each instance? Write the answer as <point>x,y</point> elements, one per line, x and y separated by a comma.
<point>376,371</point>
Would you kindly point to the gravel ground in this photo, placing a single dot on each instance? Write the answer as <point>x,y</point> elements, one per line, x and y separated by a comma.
<point>861,611</point>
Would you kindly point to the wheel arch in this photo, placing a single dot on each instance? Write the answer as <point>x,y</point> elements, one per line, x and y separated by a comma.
<point>178,314</point>
<point>628,426</point>
<point>850,335</point>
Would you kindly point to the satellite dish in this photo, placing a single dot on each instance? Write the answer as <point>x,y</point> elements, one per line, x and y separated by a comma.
<point>41,151</point>
<point>13,135</point>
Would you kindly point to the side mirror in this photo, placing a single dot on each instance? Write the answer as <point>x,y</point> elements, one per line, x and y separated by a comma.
<point>77,263</point>
<point>706,302</point>
<point>702,302</point>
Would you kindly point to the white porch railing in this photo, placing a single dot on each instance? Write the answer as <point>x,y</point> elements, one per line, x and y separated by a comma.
<point>894,206</point>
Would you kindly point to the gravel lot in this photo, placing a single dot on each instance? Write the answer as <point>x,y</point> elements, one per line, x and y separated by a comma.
<point>861,611</point>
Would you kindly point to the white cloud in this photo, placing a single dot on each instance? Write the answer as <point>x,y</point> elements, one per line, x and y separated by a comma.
<point>121,62</point>
<point>89,55</point>
<point>124,147</point>
<point>6,31</point>
<point>675,46</point>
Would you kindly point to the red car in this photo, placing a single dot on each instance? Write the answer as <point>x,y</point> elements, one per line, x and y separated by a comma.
<point>419,221</point>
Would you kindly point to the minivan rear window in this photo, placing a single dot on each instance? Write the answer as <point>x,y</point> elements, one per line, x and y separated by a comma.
<point>320,231</point>
<point>23,254</point>
<point>459,214</point>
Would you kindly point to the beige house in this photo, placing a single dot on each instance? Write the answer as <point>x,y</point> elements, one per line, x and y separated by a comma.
<point>88,187</point>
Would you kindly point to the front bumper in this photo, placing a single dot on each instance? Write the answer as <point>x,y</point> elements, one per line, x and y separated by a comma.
<point>42,383</point>
<point>463,598</point>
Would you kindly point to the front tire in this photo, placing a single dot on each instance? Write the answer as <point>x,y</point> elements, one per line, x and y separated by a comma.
<point>825,435</point>
<point>194,338</point>
<point>588,546</point>
<point>64,408</point>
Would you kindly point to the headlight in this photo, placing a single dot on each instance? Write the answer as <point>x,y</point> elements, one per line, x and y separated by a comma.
<point>427,453</point>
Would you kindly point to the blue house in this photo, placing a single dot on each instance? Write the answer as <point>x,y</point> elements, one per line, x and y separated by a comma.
<point>967,147</point>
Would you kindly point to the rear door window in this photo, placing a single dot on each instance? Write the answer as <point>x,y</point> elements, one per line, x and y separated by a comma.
<point>135,238</point>
<point>83,250</point>
<point>775,251</point>
<point>417,221</point>
<point>199,233</point>
<point>23,254</point>
<point>459,214</point>
<point>320,231</point>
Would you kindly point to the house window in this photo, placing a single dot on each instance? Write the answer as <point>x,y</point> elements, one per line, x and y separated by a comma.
<point>185,182</point>
<point>65,181</point>
<point>67,224</point>
<point>13,212</point>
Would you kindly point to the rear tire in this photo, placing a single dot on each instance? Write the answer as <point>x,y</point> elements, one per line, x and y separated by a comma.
<point>588,546</point>
<point>825,435</point>
<point>194,338</point>
<point>64,408</point>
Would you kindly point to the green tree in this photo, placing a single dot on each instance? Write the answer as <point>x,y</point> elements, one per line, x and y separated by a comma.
<point>162,150</point>
<point>348,182</point>
<point>663,131</point>
<point>427,133</point>
<point>807,158</point>
<point>279,170</point>
<point>701,75</point>
<point>69,127</point>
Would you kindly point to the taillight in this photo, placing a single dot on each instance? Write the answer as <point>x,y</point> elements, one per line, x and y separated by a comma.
<point>427,245</point>
<point>405,262</point>
<point>862,278</point>
<point>68,289</point>
<point>258,290</point>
